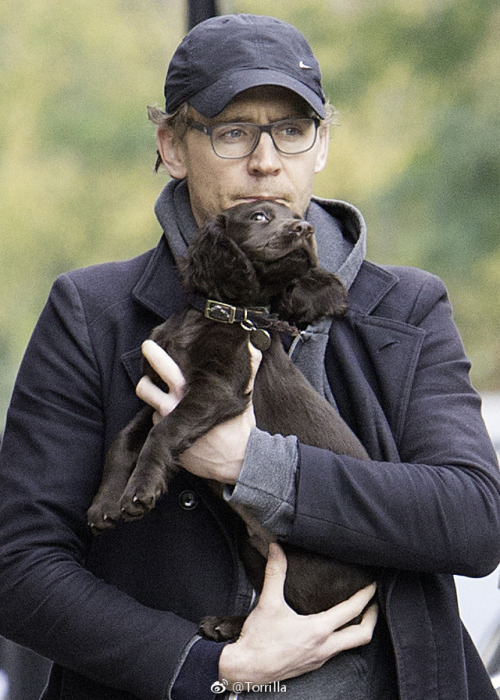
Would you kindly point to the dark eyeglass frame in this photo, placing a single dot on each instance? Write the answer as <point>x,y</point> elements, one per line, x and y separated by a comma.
<point>262,128</point>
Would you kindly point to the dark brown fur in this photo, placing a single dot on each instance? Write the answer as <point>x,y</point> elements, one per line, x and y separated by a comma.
<point>256,254</point>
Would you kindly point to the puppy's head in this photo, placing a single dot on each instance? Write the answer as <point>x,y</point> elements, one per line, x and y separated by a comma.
<point>267,232</point>
<point>249,253</point>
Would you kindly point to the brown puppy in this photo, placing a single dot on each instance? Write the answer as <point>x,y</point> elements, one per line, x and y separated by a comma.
<point>249,274</point>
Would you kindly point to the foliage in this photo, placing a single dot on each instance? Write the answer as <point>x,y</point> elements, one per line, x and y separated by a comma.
<point>76,149</point>
<point>417,148</point>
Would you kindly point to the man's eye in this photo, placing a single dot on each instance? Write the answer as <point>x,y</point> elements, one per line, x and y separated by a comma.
<point>291,131</point>
<point>230,133</point>
<point>259,216</point>
<point>233,134</point>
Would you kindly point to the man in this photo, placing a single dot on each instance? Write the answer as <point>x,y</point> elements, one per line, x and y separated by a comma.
<point>118,614</point>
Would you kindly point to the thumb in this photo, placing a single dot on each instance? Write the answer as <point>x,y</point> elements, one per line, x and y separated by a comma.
<point>255,360</point>
<point>165,366</point>
<point>274,579</point>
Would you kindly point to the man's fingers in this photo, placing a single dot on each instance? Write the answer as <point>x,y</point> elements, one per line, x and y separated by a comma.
<point>354,636</point>
<point>370,617</point>
<point>151,394</point>
<point>274,579</point>
<point>345,612</point>
<point>162,363</point>
<point>169,371</point>
<point>255,360</point>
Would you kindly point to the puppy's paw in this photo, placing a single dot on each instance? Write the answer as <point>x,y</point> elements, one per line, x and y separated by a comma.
<point>319,294</point>
<point>141,497</point>
<point>221,629</point>
<point>103,515</point>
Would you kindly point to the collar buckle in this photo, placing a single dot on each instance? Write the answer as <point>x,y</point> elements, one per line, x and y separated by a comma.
<point>218,311</point>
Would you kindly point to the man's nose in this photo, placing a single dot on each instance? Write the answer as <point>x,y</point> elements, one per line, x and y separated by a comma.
<point>265,159</point>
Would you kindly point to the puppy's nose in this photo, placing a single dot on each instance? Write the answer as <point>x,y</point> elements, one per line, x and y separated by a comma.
<point>302,228</point>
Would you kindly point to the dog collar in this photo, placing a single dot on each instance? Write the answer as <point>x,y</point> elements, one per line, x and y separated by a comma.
<point>249,318</point>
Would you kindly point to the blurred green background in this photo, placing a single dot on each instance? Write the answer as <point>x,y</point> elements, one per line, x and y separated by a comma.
<point>417,149</point>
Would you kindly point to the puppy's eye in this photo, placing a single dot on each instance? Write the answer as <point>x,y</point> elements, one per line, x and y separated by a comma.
<point>259,216</point>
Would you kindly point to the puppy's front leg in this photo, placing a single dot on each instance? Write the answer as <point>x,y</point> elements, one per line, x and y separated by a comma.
<point>221,629</point>
<point>205,404</point>
<point>314,296</point>
<point>105,511</point>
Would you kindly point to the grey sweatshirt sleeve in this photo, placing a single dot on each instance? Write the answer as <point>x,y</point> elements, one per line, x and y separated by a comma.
<point>267,482</point>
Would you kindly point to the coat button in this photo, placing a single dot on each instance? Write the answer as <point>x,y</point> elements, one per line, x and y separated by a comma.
<point>188,500</point>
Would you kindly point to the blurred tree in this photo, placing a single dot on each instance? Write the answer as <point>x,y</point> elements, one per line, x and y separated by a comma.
<point>417,148</point>
<point>442,211</point>
<point>76,149</point>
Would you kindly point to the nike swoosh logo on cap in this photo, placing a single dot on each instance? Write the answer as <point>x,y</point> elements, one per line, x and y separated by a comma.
<point>304,66</point>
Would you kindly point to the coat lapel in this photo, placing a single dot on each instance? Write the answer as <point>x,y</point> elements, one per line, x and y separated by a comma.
<point>393,349</point>
<point>371,361</point>
<point>159,290</point>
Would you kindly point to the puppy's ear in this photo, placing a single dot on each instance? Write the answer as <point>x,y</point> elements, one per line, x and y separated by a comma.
<point>216,266</point>
<point>317,295</point>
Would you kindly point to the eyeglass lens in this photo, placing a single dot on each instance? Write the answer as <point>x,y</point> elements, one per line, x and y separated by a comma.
<point>290,136</point>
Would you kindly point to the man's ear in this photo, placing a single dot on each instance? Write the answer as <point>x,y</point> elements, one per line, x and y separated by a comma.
<point>322,153</point>
<point>171,152</point>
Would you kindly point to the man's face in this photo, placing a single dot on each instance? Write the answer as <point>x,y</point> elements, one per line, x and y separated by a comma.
<point>216,183</point>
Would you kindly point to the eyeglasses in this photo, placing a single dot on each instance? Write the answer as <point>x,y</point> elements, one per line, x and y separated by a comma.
<point>240,139</point>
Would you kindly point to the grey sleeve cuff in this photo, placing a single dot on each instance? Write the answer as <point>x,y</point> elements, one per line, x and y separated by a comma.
<point>197,671</point>
<point>267,482</point>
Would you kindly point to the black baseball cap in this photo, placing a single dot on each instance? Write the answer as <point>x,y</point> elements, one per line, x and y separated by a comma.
<point>226,55</point>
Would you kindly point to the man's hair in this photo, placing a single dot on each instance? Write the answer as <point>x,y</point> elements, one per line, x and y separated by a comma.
<point>177,121</point>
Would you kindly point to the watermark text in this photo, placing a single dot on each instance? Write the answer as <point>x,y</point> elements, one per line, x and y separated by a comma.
<point>222,686</point>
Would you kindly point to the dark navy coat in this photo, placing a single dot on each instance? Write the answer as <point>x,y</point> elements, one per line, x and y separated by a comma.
<point>116,613</point>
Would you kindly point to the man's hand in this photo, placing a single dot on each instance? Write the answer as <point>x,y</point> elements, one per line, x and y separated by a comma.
<point>276,643</point>
<point>219,454</point>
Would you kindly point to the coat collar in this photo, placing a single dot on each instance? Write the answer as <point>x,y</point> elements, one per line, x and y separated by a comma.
<point>371,285</point>
<point>159,289</point>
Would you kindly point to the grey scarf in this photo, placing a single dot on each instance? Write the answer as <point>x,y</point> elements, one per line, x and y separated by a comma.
<point>338,253</point>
